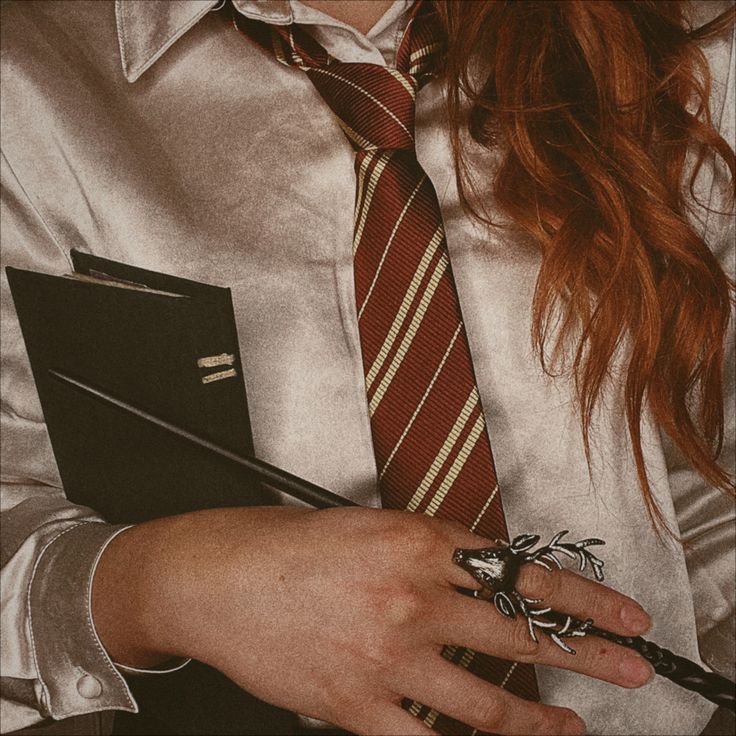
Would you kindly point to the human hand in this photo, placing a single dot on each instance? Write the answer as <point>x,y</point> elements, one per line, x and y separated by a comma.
<point>340,614</point>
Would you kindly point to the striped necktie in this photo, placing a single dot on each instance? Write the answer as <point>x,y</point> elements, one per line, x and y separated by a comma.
<point>429,434</point>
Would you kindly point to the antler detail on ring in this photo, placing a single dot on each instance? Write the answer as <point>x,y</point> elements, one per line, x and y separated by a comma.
<point>496,569</point>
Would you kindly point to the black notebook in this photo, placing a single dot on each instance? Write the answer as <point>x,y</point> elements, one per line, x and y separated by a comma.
<point>169,346</point>
<point>161,343</point>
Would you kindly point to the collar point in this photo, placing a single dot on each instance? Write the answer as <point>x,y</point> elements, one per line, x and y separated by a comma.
<point>146,30</point>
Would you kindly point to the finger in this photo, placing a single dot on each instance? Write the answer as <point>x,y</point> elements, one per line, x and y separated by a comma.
<point>568,592</point>
<point>386,718</point>
<point>461,695</point>
<point>478,625</point>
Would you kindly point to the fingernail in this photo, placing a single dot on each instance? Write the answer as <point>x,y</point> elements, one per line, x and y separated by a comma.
<point>635,671</point>
<point>635,619</point>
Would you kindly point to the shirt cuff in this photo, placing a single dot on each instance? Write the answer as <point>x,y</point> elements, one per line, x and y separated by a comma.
<point>75,673</point>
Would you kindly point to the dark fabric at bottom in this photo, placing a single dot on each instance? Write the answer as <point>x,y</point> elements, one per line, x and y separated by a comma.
<point>91,724</point>
<point>723,723</point>
<point>199,700</point>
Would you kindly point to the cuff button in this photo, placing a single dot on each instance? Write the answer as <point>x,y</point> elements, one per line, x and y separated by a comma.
<point>89,687</point>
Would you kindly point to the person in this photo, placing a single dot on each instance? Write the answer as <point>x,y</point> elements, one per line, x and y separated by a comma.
<point>157,135</point>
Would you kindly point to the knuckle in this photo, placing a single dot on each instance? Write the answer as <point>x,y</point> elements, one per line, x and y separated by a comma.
<point>407,539</point>
<point>492,712</point>
<point>524,646</point>
<point>377,649</point>
<point>406,607</point>
<point>389,539</point>
<point>603,661</point>
<point>423,537</point>
<point>540,722</point>
<point>395,616</point>
<point>455,533</point>
<point>537,582</point>
<point>593,659</point>
<point>603,601</point>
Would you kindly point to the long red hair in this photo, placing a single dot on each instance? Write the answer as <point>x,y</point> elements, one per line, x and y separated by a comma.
<point>596,105</point>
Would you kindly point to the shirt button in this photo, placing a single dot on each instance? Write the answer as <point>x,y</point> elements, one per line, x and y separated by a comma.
<point>89,687</point>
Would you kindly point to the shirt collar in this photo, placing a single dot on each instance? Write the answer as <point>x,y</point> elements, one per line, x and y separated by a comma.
<point>146,30</point>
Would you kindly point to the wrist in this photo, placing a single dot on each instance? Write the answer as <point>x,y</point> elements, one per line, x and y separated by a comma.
<point>170,587</point>
<point>131,599</point>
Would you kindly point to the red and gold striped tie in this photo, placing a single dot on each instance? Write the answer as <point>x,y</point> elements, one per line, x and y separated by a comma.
<point>429,433</point>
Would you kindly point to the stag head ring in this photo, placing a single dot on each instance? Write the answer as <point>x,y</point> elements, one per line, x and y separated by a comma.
<point>497,569</point>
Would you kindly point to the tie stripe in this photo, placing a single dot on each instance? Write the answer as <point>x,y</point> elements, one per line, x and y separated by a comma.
<point>412,329</point>
<point>427,391</point>
<point>376,164</point>
<point>482,512</point>
<point>438,235</point>
<point>430,439</point>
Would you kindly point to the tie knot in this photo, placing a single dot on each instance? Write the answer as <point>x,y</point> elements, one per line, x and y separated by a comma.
<point>374,105</point>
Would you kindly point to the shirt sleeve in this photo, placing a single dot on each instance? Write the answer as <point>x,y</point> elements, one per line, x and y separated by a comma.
<point>707,516</point>
<point>52,662</point>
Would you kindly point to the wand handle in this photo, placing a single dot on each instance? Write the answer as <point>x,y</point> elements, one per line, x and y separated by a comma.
<point>681,671</point>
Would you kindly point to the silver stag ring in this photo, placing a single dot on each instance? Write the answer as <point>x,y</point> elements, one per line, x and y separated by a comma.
<point>497,569</point>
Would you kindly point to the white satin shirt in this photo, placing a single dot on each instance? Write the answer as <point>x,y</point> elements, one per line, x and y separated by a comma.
<point>153,133</point>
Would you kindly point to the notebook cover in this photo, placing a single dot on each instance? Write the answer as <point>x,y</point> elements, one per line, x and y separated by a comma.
<point>143,348</point>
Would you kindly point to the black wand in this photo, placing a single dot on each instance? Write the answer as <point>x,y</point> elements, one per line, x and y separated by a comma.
<point>681,671</point>
<point>495,568</point>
